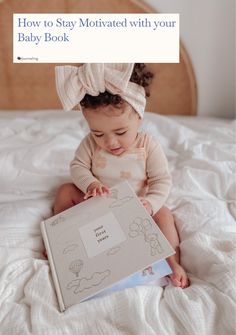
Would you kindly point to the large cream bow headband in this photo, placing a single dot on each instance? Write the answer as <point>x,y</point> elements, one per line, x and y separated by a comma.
<point>73,83</point>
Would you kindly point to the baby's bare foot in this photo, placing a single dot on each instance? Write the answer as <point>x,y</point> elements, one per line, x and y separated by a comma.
<point>179,277</point>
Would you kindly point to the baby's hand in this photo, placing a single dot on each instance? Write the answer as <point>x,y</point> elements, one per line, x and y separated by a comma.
<point>96,188</point>
<point>147,205</point>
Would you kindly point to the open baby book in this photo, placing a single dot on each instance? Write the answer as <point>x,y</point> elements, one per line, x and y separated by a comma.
<point>93,246</point>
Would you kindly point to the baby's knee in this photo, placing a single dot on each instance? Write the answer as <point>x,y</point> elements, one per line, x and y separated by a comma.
<point>65,190</point>
<point>67,196</point>
<point>69,193</point>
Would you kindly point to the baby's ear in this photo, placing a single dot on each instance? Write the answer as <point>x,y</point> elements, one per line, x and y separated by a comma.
<point>139,120</point>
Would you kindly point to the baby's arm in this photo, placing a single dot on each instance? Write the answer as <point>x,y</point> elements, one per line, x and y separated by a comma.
<point>81,165</point>
<point>81,173</point>
<point>158,176</point>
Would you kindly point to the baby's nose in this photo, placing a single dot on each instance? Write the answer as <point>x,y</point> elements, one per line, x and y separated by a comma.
<point>110,141</point>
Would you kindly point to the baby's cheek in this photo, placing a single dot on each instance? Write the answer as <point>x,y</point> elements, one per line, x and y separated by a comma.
<point>130,139</point>
<point>98,141</point>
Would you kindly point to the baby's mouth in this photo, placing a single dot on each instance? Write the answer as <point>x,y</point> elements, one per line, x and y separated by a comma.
<point>116,150</point>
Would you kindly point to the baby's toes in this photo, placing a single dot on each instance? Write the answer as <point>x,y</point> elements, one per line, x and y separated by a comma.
<point>175,279</point>
<point>185,282</point>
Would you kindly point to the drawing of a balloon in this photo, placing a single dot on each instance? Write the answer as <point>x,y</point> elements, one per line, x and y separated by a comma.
<point>76,266</point>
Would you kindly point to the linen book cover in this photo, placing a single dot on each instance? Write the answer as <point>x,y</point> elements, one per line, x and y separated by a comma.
<point>101,241</point>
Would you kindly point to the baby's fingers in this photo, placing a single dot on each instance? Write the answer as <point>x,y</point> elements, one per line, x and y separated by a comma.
<point>102,190</point>
<point>105,190</point>
<point>99,190</point>
<point>91,193</point>
<point>143,201</point>
<point>87,195</point>
<point>95,191</point>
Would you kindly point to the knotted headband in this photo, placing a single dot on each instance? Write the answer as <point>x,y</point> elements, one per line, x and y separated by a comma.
<point>72,83</point>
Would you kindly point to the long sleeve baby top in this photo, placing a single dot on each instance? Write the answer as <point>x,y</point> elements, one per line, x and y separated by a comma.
<point>144,166</point>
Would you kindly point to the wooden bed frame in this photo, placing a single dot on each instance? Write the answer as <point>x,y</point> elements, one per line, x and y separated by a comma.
<point>32,86</point>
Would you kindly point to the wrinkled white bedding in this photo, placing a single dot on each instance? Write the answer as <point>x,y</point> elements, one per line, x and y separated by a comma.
<point>35,150</point>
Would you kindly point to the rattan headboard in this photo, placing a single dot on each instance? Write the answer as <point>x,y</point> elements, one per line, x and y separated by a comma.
<point>32,86</point>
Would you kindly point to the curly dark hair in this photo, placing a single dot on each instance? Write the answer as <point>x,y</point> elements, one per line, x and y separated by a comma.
<point>140,76</point>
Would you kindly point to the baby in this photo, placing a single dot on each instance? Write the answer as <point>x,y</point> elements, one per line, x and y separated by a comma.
<point>112,98</point>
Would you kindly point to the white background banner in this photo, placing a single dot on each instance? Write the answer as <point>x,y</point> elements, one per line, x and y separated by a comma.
<point>96,38</point>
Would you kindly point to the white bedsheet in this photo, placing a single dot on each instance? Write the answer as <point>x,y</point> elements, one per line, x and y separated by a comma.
<point>35,150</point>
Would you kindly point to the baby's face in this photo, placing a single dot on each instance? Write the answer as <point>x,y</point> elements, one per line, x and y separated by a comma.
<point>113,129</point>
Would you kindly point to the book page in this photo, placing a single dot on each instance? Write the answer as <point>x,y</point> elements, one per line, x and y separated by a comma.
<point>102,241</point>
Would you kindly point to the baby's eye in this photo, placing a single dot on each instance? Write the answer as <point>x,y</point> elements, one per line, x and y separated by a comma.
<point>119,134</point>
<point>100,135</point>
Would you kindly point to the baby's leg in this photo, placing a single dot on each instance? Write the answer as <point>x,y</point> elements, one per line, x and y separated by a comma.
<point>166,223</point>
<point>68,195</point>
